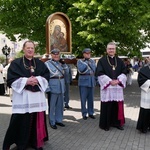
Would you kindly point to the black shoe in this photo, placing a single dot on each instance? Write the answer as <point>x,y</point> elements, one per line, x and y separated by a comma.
<point>144,131</point>
<point>53,126</point>
<point>38,148</point>
<point>68,107</point>
<point>106,129</point>
<point>85,117</point>
<point>91,116</point>
<point>60,124</point>
<point>120,127</point>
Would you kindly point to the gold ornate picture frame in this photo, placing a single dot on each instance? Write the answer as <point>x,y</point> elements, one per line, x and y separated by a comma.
<point>58,33</point>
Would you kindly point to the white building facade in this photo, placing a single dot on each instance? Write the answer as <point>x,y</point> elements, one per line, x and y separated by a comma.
<point>14,46</point>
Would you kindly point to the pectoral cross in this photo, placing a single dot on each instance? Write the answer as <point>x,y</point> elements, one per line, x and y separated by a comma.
<point>32,69</point>
<point>113,67</point>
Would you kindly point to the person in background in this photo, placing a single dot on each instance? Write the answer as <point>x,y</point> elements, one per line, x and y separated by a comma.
<point>146,61</point>
<point>68,81</point>
<point>140,64</point>
<point>56,89</point>
<point>86,82</point>
<point>2,87</point>
<point>28,78</point>
<point>8,91</point>
<point>130,71</point>
<point>136,66</point>
<point>143,123</point>
<point>111,73</point>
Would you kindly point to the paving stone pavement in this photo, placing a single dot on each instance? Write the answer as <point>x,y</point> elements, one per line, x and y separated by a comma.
<point>79,134</point>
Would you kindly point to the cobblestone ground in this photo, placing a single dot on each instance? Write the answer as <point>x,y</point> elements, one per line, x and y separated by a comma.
<point>79,134</point>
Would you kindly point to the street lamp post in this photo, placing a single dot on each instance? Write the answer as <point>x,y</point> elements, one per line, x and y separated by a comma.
<point>6,51</point>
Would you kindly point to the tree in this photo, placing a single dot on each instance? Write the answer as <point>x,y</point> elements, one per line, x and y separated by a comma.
<point>2,59</point>
<point>125,22</point>
<point>94,22</point>
<point>28,18</point>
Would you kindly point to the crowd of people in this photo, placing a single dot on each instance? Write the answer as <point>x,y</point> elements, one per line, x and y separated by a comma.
<point>134,68</point>
<point>31,80</point>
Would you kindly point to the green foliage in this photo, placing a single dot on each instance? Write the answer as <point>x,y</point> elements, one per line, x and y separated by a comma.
<point>110,20</point>
<point>19,54</point>
<point>2,59</point>
<point>28,19</point>
<point>94,23</point>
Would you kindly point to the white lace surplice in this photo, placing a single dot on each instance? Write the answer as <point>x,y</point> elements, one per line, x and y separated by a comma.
<point>109,92</point>
<point>145,95</point>
<point>26,101</point>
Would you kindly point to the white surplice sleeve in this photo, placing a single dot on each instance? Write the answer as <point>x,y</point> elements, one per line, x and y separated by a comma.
<point>123,79</point>
<point>19,84</point>
<point>104,81</point>
<point>146,86</point>
<point>43,83</point>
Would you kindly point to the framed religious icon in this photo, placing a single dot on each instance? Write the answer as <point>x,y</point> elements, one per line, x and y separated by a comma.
<point>58,33</point>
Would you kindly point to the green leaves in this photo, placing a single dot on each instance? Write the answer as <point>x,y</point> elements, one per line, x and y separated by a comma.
<point>94,22</point>
<point>119,21</point>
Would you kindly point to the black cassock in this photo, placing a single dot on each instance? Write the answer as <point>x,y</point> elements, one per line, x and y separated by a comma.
<point>22,129</point>
<point>143,122</point>
<point>109,110</point>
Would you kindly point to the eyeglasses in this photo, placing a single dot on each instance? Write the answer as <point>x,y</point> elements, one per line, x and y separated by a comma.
<point>87,53</point>
<point>56,54</point>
